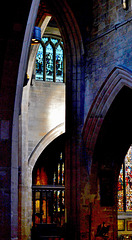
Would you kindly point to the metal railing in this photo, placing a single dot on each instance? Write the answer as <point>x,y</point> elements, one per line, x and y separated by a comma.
<point>48,204</point>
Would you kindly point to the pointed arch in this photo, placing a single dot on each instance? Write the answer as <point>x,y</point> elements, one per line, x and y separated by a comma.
<point>74,49</point>
<point>45,141</point>
<point>118,78</point>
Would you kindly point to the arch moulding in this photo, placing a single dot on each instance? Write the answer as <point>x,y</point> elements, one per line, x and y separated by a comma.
<point>118,78</point>
<point>45,141</point>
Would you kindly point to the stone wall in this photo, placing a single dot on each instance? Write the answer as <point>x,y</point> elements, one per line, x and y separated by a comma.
<point>46,110</point>
<point>107,43</point>
<point>42,119</point>
<point>107,46</point>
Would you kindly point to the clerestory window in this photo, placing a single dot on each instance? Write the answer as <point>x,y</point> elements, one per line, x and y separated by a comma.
<point>50,60</point>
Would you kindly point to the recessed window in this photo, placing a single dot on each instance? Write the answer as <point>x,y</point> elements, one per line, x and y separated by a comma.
<point>50,60</point>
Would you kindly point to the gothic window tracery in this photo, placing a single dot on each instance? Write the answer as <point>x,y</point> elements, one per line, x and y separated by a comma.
<point>50,60</point>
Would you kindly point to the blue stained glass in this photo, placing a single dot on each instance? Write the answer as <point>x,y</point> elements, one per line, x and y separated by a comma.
<point>54,40</point>
<point>49,63</point>
<point>45,39</point>
<point>59,64</point>
<point>51,51</point>
<point>39,63</point>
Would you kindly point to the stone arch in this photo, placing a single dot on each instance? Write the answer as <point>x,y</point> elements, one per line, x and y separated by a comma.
<point>74,49</point>
<point>105,138</point>
<point>115,81</point>
<point>45,141</point>
<point>15,125</point>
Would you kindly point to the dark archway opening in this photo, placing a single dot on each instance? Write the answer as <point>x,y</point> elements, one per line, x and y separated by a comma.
<point>49,161</point>
<point>48,192</point>
<point>112,144</point>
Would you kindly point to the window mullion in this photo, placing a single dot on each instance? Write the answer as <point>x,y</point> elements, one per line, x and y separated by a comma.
<point>52,69</point>
<point>44,63</point>
<point>54,64</point>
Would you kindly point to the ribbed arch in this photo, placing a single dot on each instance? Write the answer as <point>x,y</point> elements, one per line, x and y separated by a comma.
<point>118,78</point>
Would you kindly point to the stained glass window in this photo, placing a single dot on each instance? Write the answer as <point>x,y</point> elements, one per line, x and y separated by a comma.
<point>58,201</point>
<point>54,40</point>
<point>128,179</point>
<point>49,63</point>
<point>120,190</point>
<point>50,60</point>
<point>125,184</point>
<point>59,64</point>
<point>45,39</point>
<point>59,174</point>
<point>63,174</point>
<point>39,63</point>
